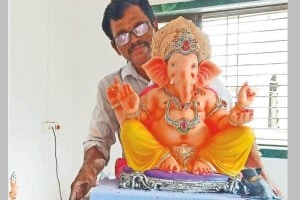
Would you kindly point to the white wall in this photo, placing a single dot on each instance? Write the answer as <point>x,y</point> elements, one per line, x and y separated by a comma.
<point>58,53</point>
<point>78,55</point>
<point>278,171</point>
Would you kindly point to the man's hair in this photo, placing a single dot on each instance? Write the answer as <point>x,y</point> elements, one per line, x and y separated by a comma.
<point>115,10</point>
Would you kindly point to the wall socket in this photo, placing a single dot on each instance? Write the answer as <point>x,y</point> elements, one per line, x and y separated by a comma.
<point>47,127</point>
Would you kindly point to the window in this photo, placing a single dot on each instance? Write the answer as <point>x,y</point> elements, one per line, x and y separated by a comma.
<point>251,45</point>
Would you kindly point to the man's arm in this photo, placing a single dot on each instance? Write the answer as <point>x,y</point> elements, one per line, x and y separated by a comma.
<point>86,178</point>
<point>103,125</point>
<point>255,161</point>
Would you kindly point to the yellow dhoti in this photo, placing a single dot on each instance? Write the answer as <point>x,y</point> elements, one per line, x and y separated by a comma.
<point>227,151</point>
<point>142,150</point>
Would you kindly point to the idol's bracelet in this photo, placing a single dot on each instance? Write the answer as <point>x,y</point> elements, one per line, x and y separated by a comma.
<point>133,115</point>
<point>115,105</point>
<point>233,123</point>
<point>241,107</point>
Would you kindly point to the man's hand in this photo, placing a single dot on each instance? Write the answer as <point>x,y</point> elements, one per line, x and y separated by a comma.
<point>87,175</point>
<point>84,181</point>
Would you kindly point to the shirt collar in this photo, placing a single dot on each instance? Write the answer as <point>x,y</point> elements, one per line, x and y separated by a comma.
<point>129,70</point>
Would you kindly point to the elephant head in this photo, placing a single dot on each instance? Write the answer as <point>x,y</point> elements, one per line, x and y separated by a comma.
<point>183,71</point>
<point>180,56</point>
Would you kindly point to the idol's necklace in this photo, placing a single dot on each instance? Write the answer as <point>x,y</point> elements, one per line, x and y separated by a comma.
<point>176,100</point>
<point>183,125</point>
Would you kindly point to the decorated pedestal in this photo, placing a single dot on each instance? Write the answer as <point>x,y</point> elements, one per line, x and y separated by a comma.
<point>175,182</point>
<point>109,189</point>
<point>156,184</point>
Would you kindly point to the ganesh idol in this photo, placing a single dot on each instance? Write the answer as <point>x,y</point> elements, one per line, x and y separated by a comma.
<point>180,124</point>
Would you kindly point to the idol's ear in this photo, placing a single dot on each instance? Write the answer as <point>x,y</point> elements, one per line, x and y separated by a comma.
<point>156,69</point>
<point>207,71</point>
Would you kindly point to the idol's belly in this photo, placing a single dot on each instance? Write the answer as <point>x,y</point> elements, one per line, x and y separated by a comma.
<point>169,135</point>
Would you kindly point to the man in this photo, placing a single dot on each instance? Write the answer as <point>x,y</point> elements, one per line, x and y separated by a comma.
<point>130,25</point>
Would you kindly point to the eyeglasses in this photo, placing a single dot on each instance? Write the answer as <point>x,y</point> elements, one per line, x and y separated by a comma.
<point>138,31</point>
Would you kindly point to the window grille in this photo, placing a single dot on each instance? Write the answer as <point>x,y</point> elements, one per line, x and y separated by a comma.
<point>253,47</point>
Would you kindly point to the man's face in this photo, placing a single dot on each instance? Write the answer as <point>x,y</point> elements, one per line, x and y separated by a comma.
<point>138,49</point>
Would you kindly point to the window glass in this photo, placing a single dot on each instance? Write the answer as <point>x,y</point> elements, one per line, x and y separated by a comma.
<point>253,48</point>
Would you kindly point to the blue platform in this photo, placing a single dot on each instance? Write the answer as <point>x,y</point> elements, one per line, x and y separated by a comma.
<point>108,189</point>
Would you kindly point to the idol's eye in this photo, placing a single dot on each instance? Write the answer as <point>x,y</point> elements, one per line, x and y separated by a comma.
<point>194,66</point>
<point>173,64</point>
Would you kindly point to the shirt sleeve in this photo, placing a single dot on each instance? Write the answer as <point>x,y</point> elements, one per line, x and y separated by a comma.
<point>103,123</point>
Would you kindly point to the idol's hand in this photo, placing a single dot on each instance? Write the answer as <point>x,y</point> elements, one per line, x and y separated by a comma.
<point>246,95</point>
<point>129,99</point>
<point>112,93</point>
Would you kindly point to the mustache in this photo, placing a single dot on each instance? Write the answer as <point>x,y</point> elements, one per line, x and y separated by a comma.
<point>138,43</point>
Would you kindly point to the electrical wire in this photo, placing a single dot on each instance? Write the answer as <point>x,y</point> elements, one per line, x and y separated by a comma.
<point>56,162</point>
